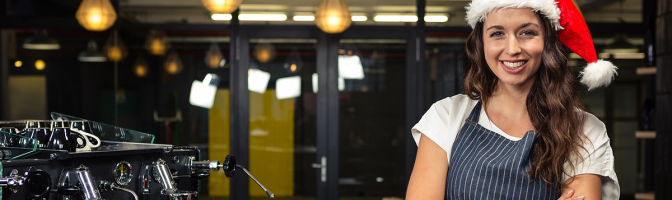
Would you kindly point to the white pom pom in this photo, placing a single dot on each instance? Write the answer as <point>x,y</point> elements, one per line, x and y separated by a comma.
<point>598,74</point>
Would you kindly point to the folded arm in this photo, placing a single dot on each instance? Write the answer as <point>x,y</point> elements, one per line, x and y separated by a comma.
<point>583,186</point>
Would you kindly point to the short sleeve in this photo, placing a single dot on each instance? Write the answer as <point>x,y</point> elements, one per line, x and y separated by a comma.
<point>433,127</point>
<point>598,158</point>
<point>443,121</point>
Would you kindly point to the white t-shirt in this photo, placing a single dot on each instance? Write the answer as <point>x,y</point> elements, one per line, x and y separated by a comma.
<point>445,118</point>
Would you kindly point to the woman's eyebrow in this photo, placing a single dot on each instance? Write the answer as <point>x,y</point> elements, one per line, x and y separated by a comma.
<point>495,27</point>
<point>528,24</point>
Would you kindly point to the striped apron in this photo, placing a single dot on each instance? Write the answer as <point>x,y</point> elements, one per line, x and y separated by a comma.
<point>485,165</point>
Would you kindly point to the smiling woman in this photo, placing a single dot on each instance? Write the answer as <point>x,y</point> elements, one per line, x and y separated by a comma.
<point>523,131</point>
<point>513,45</point>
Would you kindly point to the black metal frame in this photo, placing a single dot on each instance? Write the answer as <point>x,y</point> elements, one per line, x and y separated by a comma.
<point>327,114</point>
<point>240,107</point>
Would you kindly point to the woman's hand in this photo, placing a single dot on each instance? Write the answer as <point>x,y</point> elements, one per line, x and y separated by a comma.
<point>568,196</point>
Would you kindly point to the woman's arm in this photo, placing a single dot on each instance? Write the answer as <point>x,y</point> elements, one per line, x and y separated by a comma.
<point>588,186</point>
<point>428,180</point>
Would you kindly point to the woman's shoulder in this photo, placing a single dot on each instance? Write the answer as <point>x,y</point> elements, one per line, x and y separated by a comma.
<point>455,103</point>
<point>594,129</point>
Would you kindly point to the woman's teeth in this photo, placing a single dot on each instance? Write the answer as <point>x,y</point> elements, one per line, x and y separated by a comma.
<point>514,65</point>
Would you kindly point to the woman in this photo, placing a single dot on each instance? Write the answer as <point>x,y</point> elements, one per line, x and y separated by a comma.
<point>519,132</point>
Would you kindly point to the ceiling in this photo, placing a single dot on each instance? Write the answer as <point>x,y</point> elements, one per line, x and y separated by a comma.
<point>193,12</point>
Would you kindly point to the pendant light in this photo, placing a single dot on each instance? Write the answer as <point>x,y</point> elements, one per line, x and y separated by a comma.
<point>265,52</point>
<point>221,6</point>
<point>140,68</point>
<point>115,48</point>
<point>293,64</point>
<point>91,54</point>
<point>213,57</point>
<point>173,64</point>
<point>40,65</point>
<point>333,16</point>
<point>41,41</point>
<point>157,43</point>
<point>96,15</point>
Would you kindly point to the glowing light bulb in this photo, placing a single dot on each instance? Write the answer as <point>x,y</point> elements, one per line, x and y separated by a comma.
<point>96,15</point>
<point>141,70</point>
<point>114,54</point>
<point>293,67</point>
<point>171,67</point>
<point>40,65</point>
<point>18,63</point>
<point>157,47</point>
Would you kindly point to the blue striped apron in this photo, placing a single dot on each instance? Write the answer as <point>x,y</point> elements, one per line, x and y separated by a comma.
<point>485,165</point>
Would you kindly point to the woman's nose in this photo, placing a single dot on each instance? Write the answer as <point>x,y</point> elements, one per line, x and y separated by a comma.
<point>513,46</point>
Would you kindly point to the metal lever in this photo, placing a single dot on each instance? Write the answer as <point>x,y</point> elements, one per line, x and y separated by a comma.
<point>163,176</point>
<point>323,168</point>
<point>269,193</point>
<point>13,181</point>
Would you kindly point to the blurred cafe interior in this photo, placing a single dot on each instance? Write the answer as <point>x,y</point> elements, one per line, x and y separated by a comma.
<point>313,106</point>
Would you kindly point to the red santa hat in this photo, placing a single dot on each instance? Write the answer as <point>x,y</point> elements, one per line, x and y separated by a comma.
<point>571,27</point>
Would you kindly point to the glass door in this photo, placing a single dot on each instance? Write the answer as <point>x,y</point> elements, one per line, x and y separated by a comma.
<point>283,108</point>
<point>372,118</point>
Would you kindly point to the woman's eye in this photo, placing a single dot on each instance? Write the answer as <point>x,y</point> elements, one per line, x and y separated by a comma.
<point>530,33</point>
<point>496,34</point>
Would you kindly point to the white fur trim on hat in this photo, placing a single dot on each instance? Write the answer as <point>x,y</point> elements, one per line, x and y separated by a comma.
<point>478,10</point>
<point>598,74</point>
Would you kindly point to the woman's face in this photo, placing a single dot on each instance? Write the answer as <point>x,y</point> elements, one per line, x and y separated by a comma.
<point>513,42</point>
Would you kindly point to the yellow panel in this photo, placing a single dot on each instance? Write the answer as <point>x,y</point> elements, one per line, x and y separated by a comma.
<point>219,142</point>
<point>271,144</point>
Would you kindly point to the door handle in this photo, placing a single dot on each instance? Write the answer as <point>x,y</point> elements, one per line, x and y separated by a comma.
<point>323,168</point>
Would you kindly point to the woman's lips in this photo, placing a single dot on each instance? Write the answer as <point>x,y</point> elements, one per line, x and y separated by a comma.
<point>520,66</point>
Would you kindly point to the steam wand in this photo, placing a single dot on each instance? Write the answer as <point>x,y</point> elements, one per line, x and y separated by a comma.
<point>269,193</point>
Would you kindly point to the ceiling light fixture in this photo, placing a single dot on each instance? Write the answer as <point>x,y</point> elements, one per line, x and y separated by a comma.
<point>264,52</point>
<point>250,17</point>
<point>262,17</point>
<point>359,18</point>
<point>40,65</point>
<point>436,18</point>
<point>41,42</point>
<point>96,15</point>
<point>91,54</point>
<point>140,68</point>
<point>173,64</point>
<point>395,18</point>
<point>157,43</point>
<point>115,48</point>
<point>409,18</point>
<point>213,57</point>
<point>221,17</point>
<point>221,6</point>
<point>303,18</point>
<point>333,16</point>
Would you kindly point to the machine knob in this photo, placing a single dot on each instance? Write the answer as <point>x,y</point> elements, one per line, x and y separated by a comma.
<point>69,190</point>
<point>229,166</point>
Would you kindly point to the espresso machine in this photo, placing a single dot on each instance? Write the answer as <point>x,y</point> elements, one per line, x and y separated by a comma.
<point>98,161</point>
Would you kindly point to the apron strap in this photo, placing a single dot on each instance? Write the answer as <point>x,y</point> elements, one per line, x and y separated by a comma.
<point>476,112</point>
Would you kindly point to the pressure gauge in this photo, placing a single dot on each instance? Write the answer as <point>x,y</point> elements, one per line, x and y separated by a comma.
<point>122,173</point>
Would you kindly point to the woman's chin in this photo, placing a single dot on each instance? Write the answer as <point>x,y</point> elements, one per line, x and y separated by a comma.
<point>514,81</point>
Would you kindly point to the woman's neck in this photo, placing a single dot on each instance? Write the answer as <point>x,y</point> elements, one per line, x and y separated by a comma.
<point>511,99</point>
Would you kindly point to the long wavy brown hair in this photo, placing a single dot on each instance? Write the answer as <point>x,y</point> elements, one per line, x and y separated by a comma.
<point>553,103</point>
